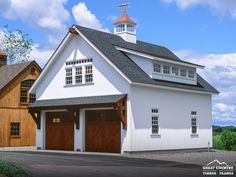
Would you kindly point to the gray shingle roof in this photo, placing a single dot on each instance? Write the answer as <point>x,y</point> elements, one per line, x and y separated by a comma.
<point>10,72</point>
<point>106,43</point>
<point>78,101</point>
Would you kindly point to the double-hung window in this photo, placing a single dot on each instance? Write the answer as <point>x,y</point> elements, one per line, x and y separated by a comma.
<point>88,74</point>
<point>175,71</point>
<point>194,122</point>
<point>183,72</point>
<point>78,75</point>
<point>69,79</point>
<point>157,68</point>
<point>166,69</point>
<point>155,121</point>
<point>191,73</point>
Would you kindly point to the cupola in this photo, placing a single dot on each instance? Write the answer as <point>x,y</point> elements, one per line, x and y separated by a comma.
<point>3,58</point>
<point>125,27</point>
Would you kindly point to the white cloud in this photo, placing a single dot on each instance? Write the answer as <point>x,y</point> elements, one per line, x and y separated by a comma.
<point>85,17</point>
<point>4,4</point>
<point>220,6</point>
<point>225,112</point>
<point>47,15</point>
<point>50,17</point>
<point>220,71</point>
<point>41,56</point>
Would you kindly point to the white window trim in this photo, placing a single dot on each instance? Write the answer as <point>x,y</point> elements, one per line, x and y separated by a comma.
<point>67,68</point>
<point>193,74</point>
<point>88,74</point>
<point>79,75</point>
<point>185,73</point>
<point>83,65</point>
<point>155,135</point>
<point>196,118</point>
<point>171,74</point>
<point>168,66</point>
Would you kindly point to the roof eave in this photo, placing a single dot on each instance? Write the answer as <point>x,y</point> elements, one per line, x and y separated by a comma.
<point>19,74</point>
<point>173,88</point>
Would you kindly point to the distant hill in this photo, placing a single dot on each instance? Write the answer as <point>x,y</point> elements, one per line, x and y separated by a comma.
<point>219,129</point>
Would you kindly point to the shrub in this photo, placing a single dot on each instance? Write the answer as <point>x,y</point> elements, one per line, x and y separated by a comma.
<point>217,142</point>
<point>11,169</point>
<point>228,138</point>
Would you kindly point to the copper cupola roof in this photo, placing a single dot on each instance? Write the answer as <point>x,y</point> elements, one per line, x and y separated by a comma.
<point>2,53</point>
<point>124,19</point>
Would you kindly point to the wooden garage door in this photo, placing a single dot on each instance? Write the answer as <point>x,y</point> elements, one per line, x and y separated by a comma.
<point>102,131</point>
<point>59,131</point>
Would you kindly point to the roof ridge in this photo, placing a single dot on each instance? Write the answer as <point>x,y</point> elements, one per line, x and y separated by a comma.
<point>152,44</point>
<point>25,62</point>
<point>79,26</point>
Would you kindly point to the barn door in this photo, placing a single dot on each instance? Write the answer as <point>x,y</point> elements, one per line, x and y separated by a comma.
<point>59,131</point>
<point>102,131</point>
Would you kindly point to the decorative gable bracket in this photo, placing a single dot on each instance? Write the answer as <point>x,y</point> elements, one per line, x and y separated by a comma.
<point>121,110</point>
<point>36,116</point>
<point>74,114</point>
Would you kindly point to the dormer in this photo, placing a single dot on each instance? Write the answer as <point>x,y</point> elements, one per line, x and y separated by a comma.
<point>163,69</point>
<point>175,72</point>
<point>125,27</point>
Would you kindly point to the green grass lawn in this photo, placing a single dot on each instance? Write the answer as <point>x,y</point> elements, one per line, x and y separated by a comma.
<point>11,169</point>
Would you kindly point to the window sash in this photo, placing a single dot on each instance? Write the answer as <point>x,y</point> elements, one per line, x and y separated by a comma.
<point>194,129</point>
<point>24,88</point>
<point>175,71</point>
<point>157,68</point>
<point>89,69</point>
<point>32,97</point>
<point>15,129</point>
<point>88,78</point>
<point>69,80</point>
<point>130,28</point>
<point>78,75</point>
<point>88,73</point>
<point>166,69</point>
<point>155,129</point>
<point>154,110</point>
<point>69,72</point>
<point>78,79</point>
<point>78,71</point>
<point>155,121</point>
<point>190,73</point>
<point>194,125</point>
<point>183,72</point>
<point>120,28</point>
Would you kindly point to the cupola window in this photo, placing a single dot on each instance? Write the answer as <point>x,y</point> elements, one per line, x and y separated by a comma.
<point>130,28</point>
<point>120,28</point>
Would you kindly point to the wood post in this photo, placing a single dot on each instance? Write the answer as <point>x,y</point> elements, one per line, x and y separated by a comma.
<point>75,115</point>
<point>121,109</point>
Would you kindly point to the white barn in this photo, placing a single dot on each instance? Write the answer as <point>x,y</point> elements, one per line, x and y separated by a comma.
<point>107,92</point>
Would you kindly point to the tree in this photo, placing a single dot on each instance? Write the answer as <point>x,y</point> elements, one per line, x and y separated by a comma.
<point>16,45</point>
<point>228,138</point>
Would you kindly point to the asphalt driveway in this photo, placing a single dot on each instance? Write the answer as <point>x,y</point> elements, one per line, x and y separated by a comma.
<point>44,164</point>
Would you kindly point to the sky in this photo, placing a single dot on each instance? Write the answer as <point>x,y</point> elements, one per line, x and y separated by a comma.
<point>199,31</point>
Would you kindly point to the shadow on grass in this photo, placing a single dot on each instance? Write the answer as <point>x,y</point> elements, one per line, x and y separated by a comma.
<point>11,169</point>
